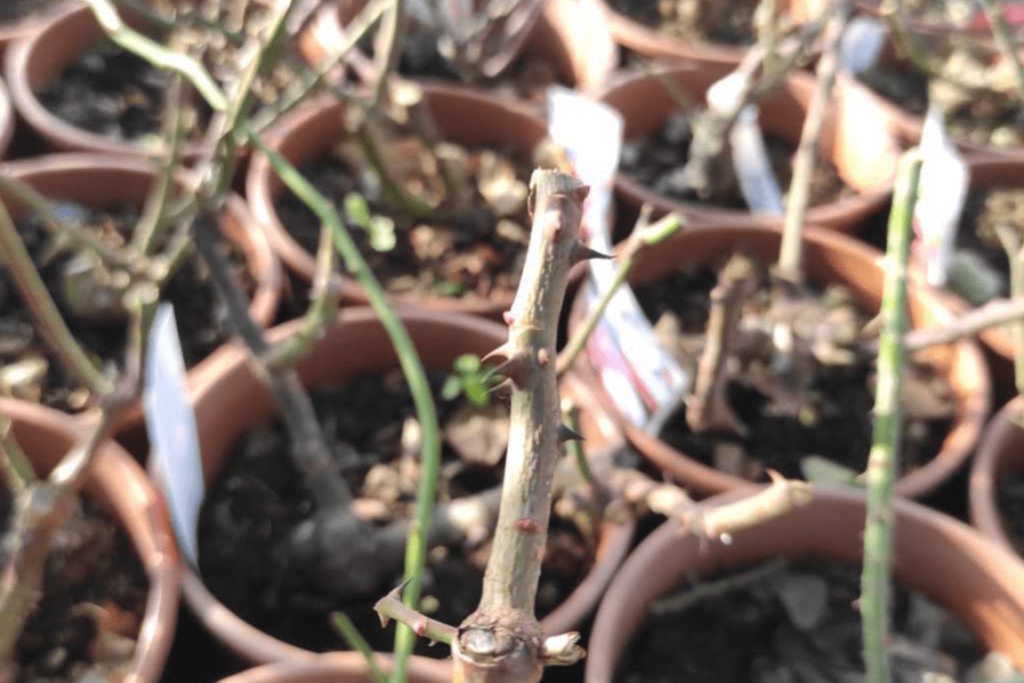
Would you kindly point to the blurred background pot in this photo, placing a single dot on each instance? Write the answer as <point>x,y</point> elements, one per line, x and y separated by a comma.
<point>572,34</point>
<point>119,484</point>
<point>465,116</point>
<point>856,137</point>
<point>829,257</point>
<point>1000,454</point>
<point>978,582</point>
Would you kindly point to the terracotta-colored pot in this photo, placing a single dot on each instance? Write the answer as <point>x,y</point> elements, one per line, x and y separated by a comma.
<point>39,58</point>
<point>654,44</point>
<point>856,137</point>
<point>13,31</point>
<point>464,116</point>
<point>99,181</point>
<point>356,344</point>
<point>7,120</point>
<point>991,172</point>
<point>573,34</point>
<point>341,667</point>
<point>119,483</point>
<point>829,257</point>
<point>1001,451</point>
<point>951,563</point>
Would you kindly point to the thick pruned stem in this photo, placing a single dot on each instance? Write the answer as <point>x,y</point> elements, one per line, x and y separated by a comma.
<point>991,314</point>
<point>882,460</point>
<point>502,639</point>
<point>791,251</point>
<point>311,453</point>
<point>707,409</point>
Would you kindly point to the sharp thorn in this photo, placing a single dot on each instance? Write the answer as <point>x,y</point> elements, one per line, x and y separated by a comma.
<point>502,353</point>
<point>566,433</point>
<point>582,252</point>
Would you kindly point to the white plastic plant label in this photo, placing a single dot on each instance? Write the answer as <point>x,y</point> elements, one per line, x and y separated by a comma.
<point>862,43</point>
<point>749,156</point>
<point>639,383</point>
<point>176,462</point>
<point>942,191</point>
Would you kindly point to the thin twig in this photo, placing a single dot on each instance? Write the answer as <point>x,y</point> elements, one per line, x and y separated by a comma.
<point>791,251</point>
<point>17,468</point>
<point>884,456</point>
<point>991,314</point>
<point>643,236</point>
<point>51,324</point>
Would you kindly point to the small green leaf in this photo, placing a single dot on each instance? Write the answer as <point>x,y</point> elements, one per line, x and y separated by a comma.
<point>467,364</point>
<point>382,233</point>
<point>357,210</point>
<point>452,388</point>
<point>477,391</point>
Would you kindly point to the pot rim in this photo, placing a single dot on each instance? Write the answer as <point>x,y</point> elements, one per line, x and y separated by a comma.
<point>340,667</point>
<point>974,402</point>
<point>260,259</point>
<point>231,362</point>
<point>141,512</point>
<point>262,190</point>
<point>61,134</point>
<point>843,214</point>
<point>7,119</point>
<point>981,583</point>
<point>998,453</point>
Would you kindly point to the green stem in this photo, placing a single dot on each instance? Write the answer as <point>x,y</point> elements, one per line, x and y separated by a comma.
<point>44,309</point>
<point>416,549</point>
<point>156,54</point>
<point>355,640</point>
<point>147,230</point>
<point>15,464</point>
<point>884,456</point>
<point>643,236</point>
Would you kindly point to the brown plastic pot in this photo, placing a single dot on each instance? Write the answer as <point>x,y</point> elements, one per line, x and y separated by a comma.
<point>100,181</point>
<point>356,344</point>
<point>829,257</point>
<point>1001,451</point>
<point>464,116</point>
<point>573,34</point>
<point>117,481</point>
<point>341,667</point>
<point>856,136</point>
<point>977,581</point>
<point>654,44</point>
<point>13,31</point>
<point>39,58</point>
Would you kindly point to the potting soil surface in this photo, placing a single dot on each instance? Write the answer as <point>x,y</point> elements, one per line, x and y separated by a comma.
<point>250,512</point>
<point>472,253</point>
<point>656,162</point>
<point>833,418</point>
<point>201,317</point>
<point>786,621</point>
<point>91,574</point>
<point>109,91</point>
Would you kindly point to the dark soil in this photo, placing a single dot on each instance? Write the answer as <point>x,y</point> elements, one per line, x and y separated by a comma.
<point>1010,500</point>
<point>201,317</point>
<point>901,84</point>
<point>746,634</point>
<point>92,564</point>
<point>109,91</point>
<point>656,162</point>
<point>462,255</point>
<point>839,427</point>
<point>18,10</point>
<point>985,208</point>
<point>251,510</point>
<point>729,22</point>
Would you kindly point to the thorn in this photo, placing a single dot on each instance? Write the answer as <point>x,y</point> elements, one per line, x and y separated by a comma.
<point>514,369</point>
<point>503,352</point>
<point>508,318</point>
<point>543,357</point>
<point>384,619</point>
<point>566,433</point>
<point>581,252</point>
<point>420,628</point>
<point>580,193</point>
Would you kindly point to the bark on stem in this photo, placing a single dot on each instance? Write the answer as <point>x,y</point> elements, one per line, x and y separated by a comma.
<point>501,640</point>
<point>882,461</point>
